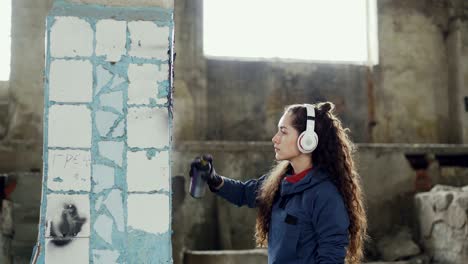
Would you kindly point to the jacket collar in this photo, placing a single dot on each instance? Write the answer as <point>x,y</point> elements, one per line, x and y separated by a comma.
<point>314,177</point>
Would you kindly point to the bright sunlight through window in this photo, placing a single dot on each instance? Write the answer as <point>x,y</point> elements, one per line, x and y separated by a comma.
<point>313,30</point>
<point>5,39</point>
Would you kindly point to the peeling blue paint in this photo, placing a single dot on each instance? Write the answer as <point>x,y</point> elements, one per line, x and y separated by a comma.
<point>98,203</point>
<point>114,204</point>
<point>149,149</point>
<point>105,256</point>
<point>163,89</point>
<point>119,130</point>
<point>49,191</point>
<point>145,105</point>
<point>154,245</point>
<point>61,103</point>
<point>117,82</point>
<point>57,179</point>
<point>150,153</point>
<point>112,150</point>
<point>103,227</point>
<point>113,100</point>
<point>153,102</point>
<point>103,78</point>
<point>150,192</point>
<point>104,121</point>
<point>162,16</point>
<point>103,177</point>
<point>67,148</point>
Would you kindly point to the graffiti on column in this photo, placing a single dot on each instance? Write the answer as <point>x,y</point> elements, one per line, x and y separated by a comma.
<point>68,226</point>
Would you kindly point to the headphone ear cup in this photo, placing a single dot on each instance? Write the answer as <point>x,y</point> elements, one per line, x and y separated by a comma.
<point>307,142</point>
<point>315,139</point>
<point>299,145</point>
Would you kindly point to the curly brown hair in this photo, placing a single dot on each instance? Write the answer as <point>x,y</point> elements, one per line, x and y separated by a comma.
<point>334,153</point>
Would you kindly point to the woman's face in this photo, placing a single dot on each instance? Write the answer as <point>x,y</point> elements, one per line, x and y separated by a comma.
<point>285,140</point>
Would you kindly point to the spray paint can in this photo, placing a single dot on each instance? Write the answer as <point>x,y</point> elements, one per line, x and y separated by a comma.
<point>197,184</point>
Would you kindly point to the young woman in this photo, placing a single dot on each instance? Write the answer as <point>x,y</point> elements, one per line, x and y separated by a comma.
<point>310,205</point>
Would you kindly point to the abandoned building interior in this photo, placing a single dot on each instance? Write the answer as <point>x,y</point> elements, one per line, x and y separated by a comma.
<point>404,99</point>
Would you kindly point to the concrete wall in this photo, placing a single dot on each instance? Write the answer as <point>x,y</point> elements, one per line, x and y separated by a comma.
<point>247,98</point>
<point>190,86</point>
<point>4,107</point>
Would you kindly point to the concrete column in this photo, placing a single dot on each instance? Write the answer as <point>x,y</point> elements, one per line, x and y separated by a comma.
<point>4,108</point>
<point>411,93</point>
<point>458,111</point>
<point>27,66</point>
<point>20,149</point>
<point>107,134</point>
<point>190,87</point>
<point>462,99</point>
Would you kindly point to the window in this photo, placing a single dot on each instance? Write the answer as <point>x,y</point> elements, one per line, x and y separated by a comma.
<point>313,30</point>
<point>5,39</point>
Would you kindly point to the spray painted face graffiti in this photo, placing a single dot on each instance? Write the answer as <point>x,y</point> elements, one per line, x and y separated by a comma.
<point>67,226</point>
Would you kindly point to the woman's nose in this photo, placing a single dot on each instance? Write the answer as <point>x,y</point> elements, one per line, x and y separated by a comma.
<point>274,139</point>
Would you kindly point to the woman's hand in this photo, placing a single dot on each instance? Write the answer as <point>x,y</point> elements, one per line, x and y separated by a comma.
<point>206,163</point>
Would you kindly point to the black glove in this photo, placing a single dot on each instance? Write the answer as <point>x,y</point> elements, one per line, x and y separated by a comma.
<point>210,177</point>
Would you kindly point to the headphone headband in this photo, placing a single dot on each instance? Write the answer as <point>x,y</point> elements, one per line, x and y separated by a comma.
<point>310,126</point>
<point>308,140</point>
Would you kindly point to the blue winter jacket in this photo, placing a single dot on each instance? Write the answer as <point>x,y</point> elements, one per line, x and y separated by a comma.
<point>309,222</point>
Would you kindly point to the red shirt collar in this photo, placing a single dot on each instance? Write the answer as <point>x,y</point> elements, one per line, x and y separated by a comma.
<point>297,177</point>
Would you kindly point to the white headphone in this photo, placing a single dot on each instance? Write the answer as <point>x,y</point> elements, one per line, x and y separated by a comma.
<point>308,140</point>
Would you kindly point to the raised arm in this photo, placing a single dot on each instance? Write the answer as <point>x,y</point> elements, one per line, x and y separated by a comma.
<point>239,193</point>
<point>236,192</point>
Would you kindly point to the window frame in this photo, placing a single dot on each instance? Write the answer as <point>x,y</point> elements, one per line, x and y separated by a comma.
<point>8,48</point>
<point>372,47</point>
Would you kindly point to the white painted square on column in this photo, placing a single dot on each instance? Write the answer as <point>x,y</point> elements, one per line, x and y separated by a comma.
<point>103,227</point>
<point>71,81</point>
<point>72,207</point>
<point>70,37</point>
<point>143,82</point>
<point>149,212</point>
<point>111,37</point>
<point>148,40</point>
<point>147,127</point>
<point>144,174</point>
<point>76,251</point>
<point>69,170</point>
<point>69,126</point>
